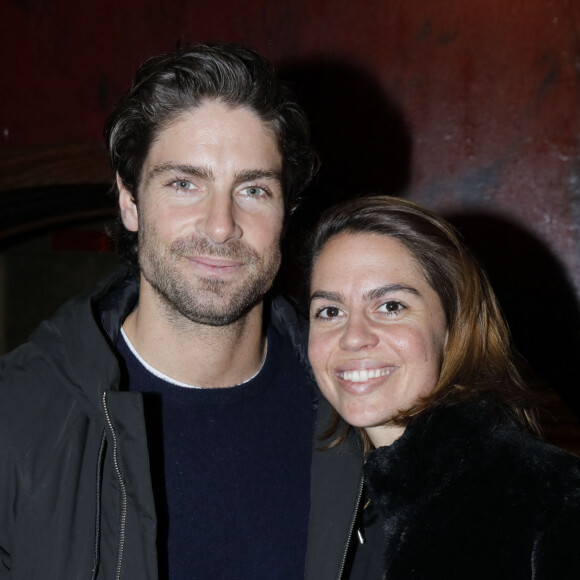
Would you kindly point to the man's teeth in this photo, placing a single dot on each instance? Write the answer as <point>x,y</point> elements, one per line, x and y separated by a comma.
<point>364,375</point>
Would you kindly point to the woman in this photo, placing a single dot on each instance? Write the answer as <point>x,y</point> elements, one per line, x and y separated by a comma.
<point>408,344</point>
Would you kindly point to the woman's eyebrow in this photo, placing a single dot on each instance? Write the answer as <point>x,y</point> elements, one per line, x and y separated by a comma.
<point>373,294</point>
<point>326,295</point>
<point>377,293</point>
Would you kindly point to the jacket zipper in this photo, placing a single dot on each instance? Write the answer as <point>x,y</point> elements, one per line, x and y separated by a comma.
<point>351,529</point>
<point>97,547</point>
<point>123,488</point>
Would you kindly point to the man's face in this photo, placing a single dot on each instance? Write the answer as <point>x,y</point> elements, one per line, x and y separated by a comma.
<point>209,214</point>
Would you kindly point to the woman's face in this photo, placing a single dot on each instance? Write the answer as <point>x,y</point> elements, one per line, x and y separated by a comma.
<point>377,331</point>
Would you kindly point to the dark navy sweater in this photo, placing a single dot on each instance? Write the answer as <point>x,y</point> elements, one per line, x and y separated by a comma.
<point>230,470</point>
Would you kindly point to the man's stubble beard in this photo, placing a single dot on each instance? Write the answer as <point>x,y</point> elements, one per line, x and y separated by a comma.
<point>205,300</point>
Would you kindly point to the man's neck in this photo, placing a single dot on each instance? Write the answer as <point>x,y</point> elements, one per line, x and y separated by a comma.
<point>192,353</point>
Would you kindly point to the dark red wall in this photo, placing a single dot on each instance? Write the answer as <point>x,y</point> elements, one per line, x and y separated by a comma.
<point>474,105</point>
<point>489,89</point>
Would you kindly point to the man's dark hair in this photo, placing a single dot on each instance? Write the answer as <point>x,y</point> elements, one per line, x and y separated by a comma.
<point>167,85</point>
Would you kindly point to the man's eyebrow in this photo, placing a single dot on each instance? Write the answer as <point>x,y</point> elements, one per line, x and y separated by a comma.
<point>182,169</point>
<point>207,174</point>
<point>253,174</point>
<point>377,293</point>
<point>325,295</point>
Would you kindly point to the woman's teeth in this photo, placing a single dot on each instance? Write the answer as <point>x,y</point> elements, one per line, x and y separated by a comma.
<point>364,375</point>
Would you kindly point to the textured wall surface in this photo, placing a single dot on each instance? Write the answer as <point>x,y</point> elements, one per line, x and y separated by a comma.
<point>488,91</point>
<point>470,107</point>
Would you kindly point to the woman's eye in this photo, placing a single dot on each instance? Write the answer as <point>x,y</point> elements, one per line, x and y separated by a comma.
<point>183,184</point>
<point>391,307</point>
<point>254,191</point>
<point>328,312</point>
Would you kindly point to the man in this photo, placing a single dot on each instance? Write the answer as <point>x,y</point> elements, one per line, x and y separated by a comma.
<point>163,424</point>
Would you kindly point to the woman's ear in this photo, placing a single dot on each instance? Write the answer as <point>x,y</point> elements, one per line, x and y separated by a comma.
<point>128,207</point>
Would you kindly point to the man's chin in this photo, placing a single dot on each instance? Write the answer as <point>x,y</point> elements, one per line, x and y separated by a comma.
<point>212,306</point>
<point>217,317</point>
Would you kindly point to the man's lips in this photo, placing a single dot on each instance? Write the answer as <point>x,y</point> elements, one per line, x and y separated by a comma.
<point>219,263</point>
<point>212,267</point>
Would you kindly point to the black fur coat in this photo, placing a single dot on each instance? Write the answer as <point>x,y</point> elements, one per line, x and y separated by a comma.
<point>465,495</point>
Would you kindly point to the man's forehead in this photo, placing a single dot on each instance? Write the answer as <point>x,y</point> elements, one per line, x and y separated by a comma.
<point>214,129</point>
<point>212,114</point>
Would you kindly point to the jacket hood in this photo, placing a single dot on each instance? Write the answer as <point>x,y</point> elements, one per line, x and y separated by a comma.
<point>77,343</point>
<point>287,321</point>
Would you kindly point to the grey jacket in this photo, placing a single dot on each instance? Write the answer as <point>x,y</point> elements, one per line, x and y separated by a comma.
<point>75,491</point>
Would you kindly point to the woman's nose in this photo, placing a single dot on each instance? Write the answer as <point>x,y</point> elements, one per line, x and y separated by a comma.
<point>358,333</point>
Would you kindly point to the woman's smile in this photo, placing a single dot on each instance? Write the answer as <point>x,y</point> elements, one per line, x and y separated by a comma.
<point>365,375</point>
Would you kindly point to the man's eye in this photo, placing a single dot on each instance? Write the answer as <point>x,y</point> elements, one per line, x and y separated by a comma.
<point>392,307</point>
<point>328,312</point>
<point>183,184</point>
<point>253,191</point>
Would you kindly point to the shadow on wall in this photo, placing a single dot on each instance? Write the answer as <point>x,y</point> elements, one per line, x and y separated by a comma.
<point>361,136</point>
<point>535,295</point>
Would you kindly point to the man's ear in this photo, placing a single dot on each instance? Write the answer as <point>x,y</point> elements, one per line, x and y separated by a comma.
<point>128,207</point>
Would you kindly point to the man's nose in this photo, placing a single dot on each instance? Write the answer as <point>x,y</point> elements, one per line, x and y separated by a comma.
<point>220,224</point>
